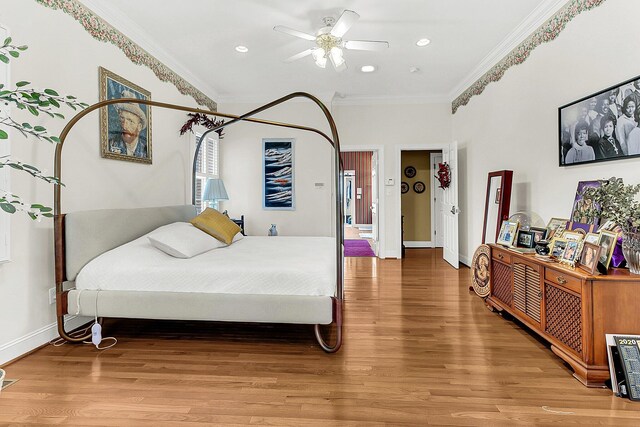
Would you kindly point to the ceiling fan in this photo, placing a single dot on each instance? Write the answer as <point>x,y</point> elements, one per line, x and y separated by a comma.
<point>329,42</point>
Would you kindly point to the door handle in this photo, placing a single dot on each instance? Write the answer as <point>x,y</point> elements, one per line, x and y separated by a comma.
<point>453,210</point>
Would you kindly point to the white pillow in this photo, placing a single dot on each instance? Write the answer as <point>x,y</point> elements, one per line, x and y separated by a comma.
<point>182,240</point>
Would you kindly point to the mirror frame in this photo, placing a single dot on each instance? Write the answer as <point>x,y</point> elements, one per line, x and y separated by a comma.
<point>505,201</point>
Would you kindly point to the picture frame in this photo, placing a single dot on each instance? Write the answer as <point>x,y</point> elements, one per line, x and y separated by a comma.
<point>556,226</point>
<point>278,174</point>
<point>589,258</point>
<point>508,233</point>
<point>582,205</point>
<point>607,243</point>
<point>597,128</point>
<point>125,129</point>
<point>539,233</point>
<point>573,235</point>
<point>525,239</point>
<point>581,228</point>
<point>558,246</point>
<point>571,253</point>
<point>592,238</point>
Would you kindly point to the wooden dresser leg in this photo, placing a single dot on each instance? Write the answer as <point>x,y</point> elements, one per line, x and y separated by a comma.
<point>590,376</point>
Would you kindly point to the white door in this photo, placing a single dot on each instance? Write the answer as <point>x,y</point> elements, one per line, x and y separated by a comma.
<point>450,208</point>
<point>374,201</point>
<point>437,236</point>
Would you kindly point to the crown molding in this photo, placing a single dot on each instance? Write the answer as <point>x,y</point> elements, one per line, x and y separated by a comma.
<point>104,23</point>
<point>533,21</point>
<point>548,31</point>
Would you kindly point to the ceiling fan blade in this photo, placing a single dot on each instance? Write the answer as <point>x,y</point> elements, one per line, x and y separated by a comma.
<point>365,45</point>
<point>295,33</point>
<point>299,55</point>
<point>342,25</point>
<point>340,67</point>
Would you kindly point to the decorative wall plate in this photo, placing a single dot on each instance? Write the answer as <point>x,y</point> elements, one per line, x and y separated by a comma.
<point>419,187</point>
<point>410,171</point>
<point>404,187</point>
<point>480,271</point>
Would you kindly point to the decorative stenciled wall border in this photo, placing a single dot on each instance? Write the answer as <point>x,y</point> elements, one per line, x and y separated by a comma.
<point>103,31</point>
<point>545,33</point>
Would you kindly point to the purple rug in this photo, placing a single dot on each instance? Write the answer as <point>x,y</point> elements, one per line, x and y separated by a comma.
<point>357,248</point>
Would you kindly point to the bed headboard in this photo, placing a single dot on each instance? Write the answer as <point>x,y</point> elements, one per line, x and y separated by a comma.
<point>91,233</point>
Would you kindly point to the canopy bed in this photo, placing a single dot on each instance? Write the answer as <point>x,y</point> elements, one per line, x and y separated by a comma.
<point>239,282</point>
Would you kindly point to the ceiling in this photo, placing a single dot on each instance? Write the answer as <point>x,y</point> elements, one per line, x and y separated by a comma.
<point>198,42</point>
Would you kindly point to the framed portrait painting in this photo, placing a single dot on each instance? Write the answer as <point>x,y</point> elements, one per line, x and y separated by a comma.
<point>602,126</point>
<point>125,128</point>
<point>584,210</point>
<point>278,174</point>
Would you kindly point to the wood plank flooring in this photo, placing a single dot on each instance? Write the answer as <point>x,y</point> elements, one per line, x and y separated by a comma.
<point>419,350</point>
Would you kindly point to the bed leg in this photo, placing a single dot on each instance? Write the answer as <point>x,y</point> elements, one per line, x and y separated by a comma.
<point>337,320</point>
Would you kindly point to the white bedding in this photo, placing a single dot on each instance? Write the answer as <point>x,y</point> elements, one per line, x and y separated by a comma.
<point>253,265</point>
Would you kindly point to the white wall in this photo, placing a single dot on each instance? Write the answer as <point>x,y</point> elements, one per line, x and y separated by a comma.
<point>63,56</point>
<point>393,126</point>
<point>241,170</point>
<point>513,124</point>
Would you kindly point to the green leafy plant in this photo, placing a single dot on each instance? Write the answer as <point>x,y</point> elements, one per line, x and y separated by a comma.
<point>36,102</point>
<point>617,202</point>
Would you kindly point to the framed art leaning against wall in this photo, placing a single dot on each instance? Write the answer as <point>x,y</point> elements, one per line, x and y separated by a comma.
<point>602,126</point>
<point>125,129</point>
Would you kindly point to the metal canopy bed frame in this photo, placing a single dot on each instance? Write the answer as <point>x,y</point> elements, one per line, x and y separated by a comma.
<point>60,242</point>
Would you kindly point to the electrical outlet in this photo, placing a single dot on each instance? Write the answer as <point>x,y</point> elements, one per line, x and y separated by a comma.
<point>52,295</point>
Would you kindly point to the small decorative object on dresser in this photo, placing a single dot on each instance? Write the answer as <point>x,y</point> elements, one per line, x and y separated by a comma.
<point>542,248</point>
<point>589,258</point>
<point>525,239</point>
<point>273,231</point>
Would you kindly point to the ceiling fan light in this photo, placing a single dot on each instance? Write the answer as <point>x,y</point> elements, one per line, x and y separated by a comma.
<point>368,68</point>
<point>242,49</point>
<point>423,42</point>
<point>336,56</point>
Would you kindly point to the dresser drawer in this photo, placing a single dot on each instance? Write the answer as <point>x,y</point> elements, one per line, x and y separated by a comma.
<point>561,278</point>
<point>501,255</point>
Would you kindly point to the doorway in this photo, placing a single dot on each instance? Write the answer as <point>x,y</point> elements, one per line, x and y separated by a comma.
<point>420,210</point>
<point>360,200</point>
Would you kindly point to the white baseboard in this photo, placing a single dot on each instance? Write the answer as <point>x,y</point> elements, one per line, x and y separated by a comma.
<point>22,345</point>
<point>465,260</point>
<point>418,244</point>
<point>393,254</point>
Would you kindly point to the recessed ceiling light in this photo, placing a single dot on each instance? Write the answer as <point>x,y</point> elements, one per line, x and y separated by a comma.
<point>423,42</point>
<point>242,49</point>
<point>368,68</point>
<point>414,69</point>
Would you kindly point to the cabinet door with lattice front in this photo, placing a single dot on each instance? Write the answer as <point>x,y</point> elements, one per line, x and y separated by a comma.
<point>527,290</point>
<point>563,315</point>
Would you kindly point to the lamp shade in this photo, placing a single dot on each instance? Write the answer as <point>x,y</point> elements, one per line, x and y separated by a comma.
<point>214,190</point>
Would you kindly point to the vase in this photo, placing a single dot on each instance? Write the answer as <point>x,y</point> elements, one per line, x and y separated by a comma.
<point>631,251</point>
<point>273,231</point>
<point>542,248</point>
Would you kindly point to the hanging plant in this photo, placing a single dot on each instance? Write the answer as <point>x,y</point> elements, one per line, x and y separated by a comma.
<point>202,119</point>
<point>444,175</point>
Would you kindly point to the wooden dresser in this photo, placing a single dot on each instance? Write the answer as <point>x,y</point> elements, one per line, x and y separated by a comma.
<point>569,308</point>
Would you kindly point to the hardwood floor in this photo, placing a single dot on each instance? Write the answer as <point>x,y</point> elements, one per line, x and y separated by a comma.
<point>419,350</point>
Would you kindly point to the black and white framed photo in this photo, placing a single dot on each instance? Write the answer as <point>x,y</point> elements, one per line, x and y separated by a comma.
<point>602,126</point>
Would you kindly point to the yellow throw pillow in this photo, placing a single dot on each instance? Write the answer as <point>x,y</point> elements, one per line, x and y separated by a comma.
<point>217,225</point>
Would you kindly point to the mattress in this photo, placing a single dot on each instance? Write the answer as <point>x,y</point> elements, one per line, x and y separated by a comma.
<point>255,265</point>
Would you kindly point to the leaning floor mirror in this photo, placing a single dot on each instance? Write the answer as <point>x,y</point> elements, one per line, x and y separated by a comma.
<point>496,208</point>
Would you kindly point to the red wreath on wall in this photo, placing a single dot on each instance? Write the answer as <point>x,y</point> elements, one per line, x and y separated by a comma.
<point>444,175</point>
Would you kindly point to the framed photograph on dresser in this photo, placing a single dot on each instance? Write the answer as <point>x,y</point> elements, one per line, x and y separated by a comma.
<point>589,258</point>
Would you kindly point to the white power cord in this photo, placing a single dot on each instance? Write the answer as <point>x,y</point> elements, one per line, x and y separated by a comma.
<point>96,329</point>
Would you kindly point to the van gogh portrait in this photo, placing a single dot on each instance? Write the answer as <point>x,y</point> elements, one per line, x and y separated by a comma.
<point>125,128</point>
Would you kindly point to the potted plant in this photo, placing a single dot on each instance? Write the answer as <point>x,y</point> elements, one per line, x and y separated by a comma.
<point>46,102</point>
<point>617,202</point>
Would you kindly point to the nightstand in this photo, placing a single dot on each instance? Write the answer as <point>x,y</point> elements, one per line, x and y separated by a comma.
<point>240,223</point>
